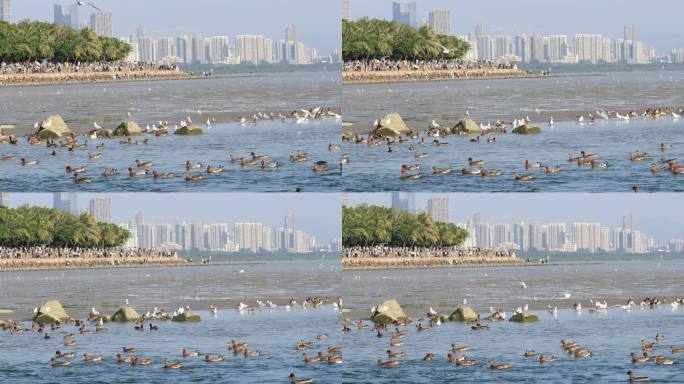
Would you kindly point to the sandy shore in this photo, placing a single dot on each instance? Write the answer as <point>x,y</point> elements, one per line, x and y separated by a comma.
<point>88,263</point>
<point>358,263</point>
<point>360,77</point>
<point>20,79</point>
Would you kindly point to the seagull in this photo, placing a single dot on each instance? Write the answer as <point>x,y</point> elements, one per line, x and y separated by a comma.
<point>551,121</point>
<point>435,125</point>
<point>465,301</point>
<point>242,120</point>
<point>375,123</point>
<point>241,307</point>
<point>189,120</point>
<point>129,115</point>
<point>36,125</point>
<point>96,125</point>
<point>126,301</point>
<point>522,283</point>
<point>373,310</point>
<point>94,312</point>
<point>35,310</point>
<point>432,312</point>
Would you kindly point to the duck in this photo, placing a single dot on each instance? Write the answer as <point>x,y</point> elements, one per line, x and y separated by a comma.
<point>455,348</point>
<point>420,155</point>
<point>334,349</point>
<point>637,359</point>
<point>248,353</point>
<point>470,171</point>
<point>665,147</point>
<point>407,167</point>
<point>442,171</point>
<point>161,175</point>
<point>555,169</point>
<point>638,156</point>
<point>140,164</point>
<point>529,353</point>
<point>25,162</point>
<point>212,359</point>
<point>428,356</point>
<point>94,156</point>
<point>92,358</point>
<point>269,165</point>
<point>82,180</point>
<point>189,177</point>
<point>655,169</point>
<point>74,170</point>
<point>133,173</point>
<point>109,172</point>
<point>396,343</point>
<point>494,172</point>
<point>393,355</point>
<point>299,157</point>
<point>175,365</point>
<point>538,164</point>
<point>295,380</point>
<point>659,360</point>
<point>214,170</point>
<point>545,359</point>
<point>633,378</point>
<point>256,157</point>
<point>186,353</point>
<point>65,355</point>
<point>126,142</point>
<point>581,352</point>
<point>475,163</point>
<point>494,365</point>
<point>138,361</point>
<point>129,349</point>
<point>405,175</point>
<point>520,177</point>
<point>677,349</point>
<point>56,363</point>
<point>311,358</point>
<point>388,363</point>
<point>8,157</point>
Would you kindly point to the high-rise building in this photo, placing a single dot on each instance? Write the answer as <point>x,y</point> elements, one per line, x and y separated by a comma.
<point>218,49</point>
<point>478,30</point>
<point>630,33</point>
<point>537,48</point>
<point>345,10</point>
<point>5,11</point>
<point>590,48</point>
<point>249,236</point>
<point>405,13</point>
<point>4,199</point>
<point>628,222</point>
<point>66,15</point>
<point>100,208</point>
<point>556,48</point>
<point>140,32</point>
<point>101,23</point>
<point>587,236</point>
<point>250,48</point>
<point>438,209</point>
<point>291,33</point>
<point>66,202</point>
<point>404,201</point>
<point>439,21</point>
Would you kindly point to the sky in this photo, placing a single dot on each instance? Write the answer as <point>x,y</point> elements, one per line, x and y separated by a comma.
<point>656,214</point>
<point>317,214</point>
<point>317,21</point>
<point>658,22</point>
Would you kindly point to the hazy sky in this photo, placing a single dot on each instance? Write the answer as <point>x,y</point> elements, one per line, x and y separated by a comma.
<point>657,214</point>
<point>658,22</point>
<point>318,214</point>
<point>317,21</point>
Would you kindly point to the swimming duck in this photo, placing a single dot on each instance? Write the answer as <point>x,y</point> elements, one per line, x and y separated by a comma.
<point>428,357</point>
<point>82,180</point>
<point>529,353</point>
<point>475,163</point>
<point>467,171</point>
<point>677,349</point>
<point>520,177</point>
<point>555,169</point>
<point>25,162</point>
<point>665,147</point>
<point>396,343</point>
<point>636,359</point>
<point>638,156</point>
<point>161,175</point>
<point>109,172</point>
<point>214,170</point>
<point>660,360</point>
<point>140,164</point>
<point>133,173</point>
<point>545,359</point>
<point>420,155</point>
<point>126,142</point>
<point>299,157</point>
<point>678,169</point>
<point>175,365</point>
<point>475,140</point>
<point>656,169</point>
<point>129,349</point>
<point>248,353</point>
<point>65,355</point>
<point>494,365</point>
<point>538,164</point>
<point>212,359</point>
<point>442,171</point>
<point>138,361</point>
<point>581,352</point>
<point>494,172</point>
<point>320,166</point>
<point>393,355</point>
<point>633,378</point>
<point>94,156</point>
<point>8,157</point>
<point>295,380</point>
<point>405,175</point>
<point>256,157</point>
<point>186,353</point>
<point>69,169</point>
<point>455,348</point>
<point>388,363</point>
<point>311,358</point>
<point>189,177</point>
<point>56,363</point>
<point>92,358</point>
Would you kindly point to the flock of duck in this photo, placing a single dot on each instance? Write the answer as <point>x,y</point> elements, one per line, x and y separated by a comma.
<point>413,171</point>
<point>457,353</point>
<point>190,171</point>
<point>94,324</point>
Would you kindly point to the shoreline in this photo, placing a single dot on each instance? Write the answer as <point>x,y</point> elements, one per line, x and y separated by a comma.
<point>14,265</point>
<point>377,77</point>
<point>46,79</point>
<point>377,263</point>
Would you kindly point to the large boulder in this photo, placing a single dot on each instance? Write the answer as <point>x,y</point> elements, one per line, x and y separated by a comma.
<point>524,317</point>
<point>187,316</point>
<point>466,126</point>
<point>125,314</point>
<point>53,127</point>
<point>389,312</point>
<point>392,125</point>
<point>128,128</point>
<point>190,130</point>
<point>527,129</point>
<point>463,314</point>
<point>51,313</point>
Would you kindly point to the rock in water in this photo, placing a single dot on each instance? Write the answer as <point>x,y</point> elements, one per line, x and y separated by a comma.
<point>128,128</point>
<point>51,313</point>
<point>527,129</point>
<point>389,312</point>
<point>125,314</point>
<point>464,314</point>
<point>391,125</point>
<point>466,126</point>
<point>189,131</point>
<point>524,317</point>
<point>53,127</point>
<point>187,316</point>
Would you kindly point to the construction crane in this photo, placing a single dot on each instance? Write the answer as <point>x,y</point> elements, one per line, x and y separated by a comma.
<point>82,3</point>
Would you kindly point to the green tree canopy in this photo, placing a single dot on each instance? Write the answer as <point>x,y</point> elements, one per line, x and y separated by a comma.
<point>41,41</point>
<point>27,226</point>
<point>376,39</point>
<point>366,225</point>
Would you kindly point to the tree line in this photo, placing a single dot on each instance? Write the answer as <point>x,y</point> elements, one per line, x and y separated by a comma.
<point>369,225</point>
<point>41,41</point>
<point>366,39</point>
<point>28,226</point>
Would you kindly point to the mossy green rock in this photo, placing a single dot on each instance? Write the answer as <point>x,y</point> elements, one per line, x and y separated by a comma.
<point>125,314</point>
<point>466,126</point>
<point>189,131</point>
<point>527,129</point>
<point>128,128</point>
<point>188,316</point>
<point>53,127</point>
<point>524,317</point>
<point>50,313</point>
<point>389,312</point>
<point>463,314</point>
<point>392,125</point>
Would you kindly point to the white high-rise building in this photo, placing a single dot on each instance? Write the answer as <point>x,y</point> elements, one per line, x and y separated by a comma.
<point>587,236</point>
<point>589,48</point>
<point>438,209</point>
<point>5,11</point>
<point>556,48</point>
<point>249,236</point>
<point>439,21</point>
<point>218,49</point>
<point>101,23</point>
<point>100,208</point>
<point>250,49</point>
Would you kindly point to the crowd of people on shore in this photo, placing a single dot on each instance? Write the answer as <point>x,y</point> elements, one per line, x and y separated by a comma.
<point>419,252</point>
<point>375,65</point>
<point>34,67</point>
<point>82,253</point>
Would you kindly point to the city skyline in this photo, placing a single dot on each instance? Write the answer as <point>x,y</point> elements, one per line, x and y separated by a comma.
<point>535,16</point>
<point>206,17</point>
<point>653,211</point>
<point>317,214</point>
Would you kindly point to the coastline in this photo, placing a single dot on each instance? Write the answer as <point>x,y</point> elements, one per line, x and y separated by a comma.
<point>375,263</point>
<point>38,79</point>
<point>10,265</point>
<point>372,77</point>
